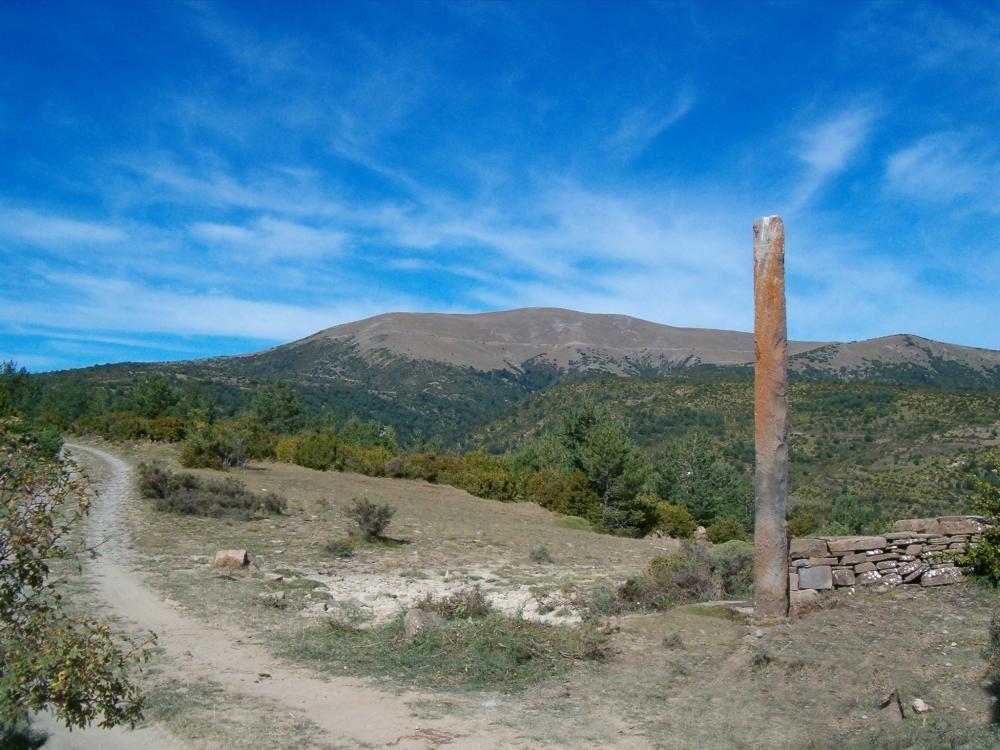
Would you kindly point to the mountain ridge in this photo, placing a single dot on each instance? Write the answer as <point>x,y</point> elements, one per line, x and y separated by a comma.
<point>616,344</point>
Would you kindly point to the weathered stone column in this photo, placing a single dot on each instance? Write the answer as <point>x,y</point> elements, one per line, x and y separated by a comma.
<point>770,420</point>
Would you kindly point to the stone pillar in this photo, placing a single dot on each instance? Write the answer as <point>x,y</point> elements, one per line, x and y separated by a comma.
<point>770,421</point>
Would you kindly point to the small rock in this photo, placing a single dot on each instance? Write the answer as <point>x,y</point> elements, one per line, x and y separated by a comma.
<point>417,620</point>
<point>919,707</point>
<point>759,633</point>
<point>231,558</point>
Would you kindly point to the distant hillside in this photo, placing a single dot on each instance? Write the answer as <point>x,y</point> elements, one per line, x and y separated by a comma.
<point>568,340</point>
<point>445,375</point>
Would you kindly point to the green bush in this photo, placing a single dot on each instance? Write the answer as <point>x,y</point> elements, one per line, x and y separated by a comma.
<point>316,451</point>
<point>395,467</point>
<point>732,566</point>
<point>985,557</point>
<point>370,518</point>
<point>483,476</point>
<point>802,523</point>
<point>50,657</point>
<point>285,449</point>
<point>202,451</point>
<point>675,520</point>
<point>571,495</point>
<point>696,573</point>
<point>362,460</point>
<point>466,604</point>
<point>725,529</point>
<point>166,429</point>
<point>428,466</point>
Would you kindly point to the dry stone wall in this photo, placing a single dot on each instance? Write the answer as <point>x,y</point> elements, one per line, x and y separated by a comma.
<point>924,551</point>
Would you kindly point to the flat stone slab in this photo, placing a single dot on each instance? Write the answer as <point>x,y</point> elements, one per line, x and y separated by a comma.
<point>856,543</point>
<point>818,577</point>
<point>941,577</point>
<point>807,547</point>
<point>942,525</point>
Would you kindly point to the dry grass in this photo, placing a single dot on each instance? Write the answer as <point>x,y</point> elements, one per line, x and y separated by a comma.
<point>816,683</point>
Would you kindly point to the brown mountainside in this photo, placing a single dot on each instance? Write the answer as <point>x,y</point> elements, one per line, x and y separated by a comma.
<point>621,344</point>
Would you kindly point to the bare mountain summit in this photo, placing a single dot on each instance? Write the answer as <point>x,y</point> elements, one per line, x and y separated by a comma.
<point>622,345</point>
<point>565,338</point>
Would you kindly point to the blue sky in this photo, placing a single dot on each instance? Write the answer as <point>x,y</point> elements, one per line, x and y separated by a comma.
<point>188,179</point>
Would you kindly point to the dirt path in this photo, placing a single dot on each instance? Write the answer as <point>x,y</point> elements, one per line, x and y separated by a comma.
<point>347,711</point>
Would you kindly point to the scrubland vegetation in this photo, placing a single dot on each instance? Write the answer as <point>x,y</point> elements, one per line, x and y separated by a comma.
<point>628,455</point>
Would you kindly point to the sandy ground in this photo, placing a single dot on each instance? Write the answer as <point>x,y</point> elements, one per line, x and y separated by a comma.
<point>347,711</point>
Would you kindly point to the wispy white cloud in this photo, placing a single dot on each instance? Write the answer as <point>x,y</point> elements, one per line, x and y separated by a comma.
<point>947,167</point>
<point>50,230</point>
<point>827,147</point>
<point>269,238</point>
<point>641,126</point>
<point>92,303</point>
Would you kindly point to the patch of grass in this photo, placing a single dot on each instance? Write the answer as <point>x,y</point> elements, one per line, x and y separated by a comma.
<point>696,573</point>
<point>541,554</point>
<point>760,658</point>
<point>189,495</point>
<point>491,652</point>
<point>465,604</point>
<point>673,641</point>
<point>342,548</point>
<point>574,522</point>
<point>930,731</point>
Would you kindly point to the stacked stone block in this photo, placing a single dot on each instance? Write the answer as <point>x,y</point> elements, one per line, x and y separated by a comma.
<point>924,551</point>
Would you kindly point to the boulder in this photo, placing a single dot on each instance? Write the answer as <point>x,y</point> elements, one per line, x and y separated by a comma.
<point>231,558</point>
<point>417,620</point>
<point>818,577</point>
<point>856,543</point>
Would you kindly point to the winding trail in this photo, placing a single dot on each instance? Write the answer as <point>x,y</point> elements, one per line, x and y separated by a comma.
<point>349,712</point>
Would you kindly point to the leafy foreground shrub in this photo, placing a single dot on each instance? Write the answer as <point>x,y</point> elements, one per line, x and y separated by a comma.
<point>193,496</point>
<point>489,652</point>
<point>696,573</point>
<point>74,666</point>
<point>985,558</point>
<point>370,518</point>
